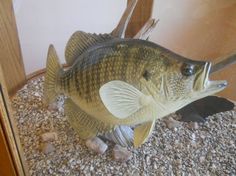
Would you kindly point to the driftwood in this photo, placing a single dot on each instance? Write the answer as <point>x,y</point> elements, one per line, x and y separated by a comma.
<point>146,30</point>
<point>225,62</point>
<point>119,31</point>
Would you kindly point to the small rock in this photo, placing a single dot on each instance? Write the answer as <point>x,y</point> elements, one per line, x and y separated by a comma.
<point>155,166</point>
<point>193,125</point>
<point>121,154</point>
<point>91,168</point>
<point>213,166</point>
<point>202,159</point>
<point>179,163</point>
<point>171,123</point>
<point>193,137</point>
<point>97,145</point>
<point>147,159</point>
<point>21,120</point>
<point>50,171</point>
<point>202,136</point>
<point>36,94</point>
<point>61,109</point>
<point>47,148</point>
<point>231,142</point>
<point>48,162</point>
<point>50,136</point>
<point>53,106</point>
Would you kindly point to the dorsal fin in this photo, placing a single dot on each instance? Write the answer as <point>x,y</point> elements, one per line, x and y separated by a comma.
<point>80,42</point>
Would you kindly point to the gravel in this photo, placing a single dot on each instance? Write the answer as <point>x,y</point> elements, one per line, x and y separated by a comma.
<point>187,149</point>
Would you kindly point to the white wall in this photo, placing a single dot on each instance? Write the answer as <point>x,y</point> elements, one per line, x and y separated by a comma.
<point>43,22</point>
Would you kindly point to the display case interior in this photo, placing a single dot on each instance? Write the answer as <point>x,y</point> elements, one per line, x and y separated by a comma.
<point>48,139</point>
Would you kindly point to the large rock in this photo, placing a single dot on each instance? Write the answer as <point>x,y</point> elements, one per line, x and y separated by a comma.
<point>47,148</point>
<point>50,136</point>
<point>97,145</point>
<point>121,154</point>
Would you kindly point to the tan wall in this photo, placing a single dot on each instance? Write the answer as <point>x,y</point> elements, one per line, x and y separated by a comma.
<point>202,30</point>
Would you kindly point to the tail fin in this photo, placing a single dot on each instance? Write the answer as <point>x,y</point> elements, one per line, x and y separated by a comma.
<point>52,70</point>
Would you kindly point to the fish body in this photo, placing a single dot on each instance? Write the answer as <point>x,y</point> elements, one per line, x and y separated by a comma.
<point>123,60</point>
<point>124,82</point>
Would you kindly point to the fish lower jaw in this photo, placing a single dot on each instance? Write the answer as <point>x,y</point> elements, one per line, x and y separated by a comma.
<point>210,88</point>
<point>216,85</point>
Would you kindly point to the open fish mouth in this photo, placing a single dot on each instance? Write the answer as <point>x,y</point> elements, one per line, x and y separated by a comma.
<point>203,83</point>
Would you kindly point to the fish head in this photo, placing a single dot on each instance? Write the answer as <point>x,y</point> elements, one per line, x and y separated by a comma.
<point>182,81</point>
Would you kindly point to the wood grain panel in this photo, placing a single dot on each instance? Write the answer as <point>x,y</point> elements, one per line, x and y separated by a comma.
<point>10,57</point>
<point>6,163</point>
<point>141,14</point>
<point>10,146</point>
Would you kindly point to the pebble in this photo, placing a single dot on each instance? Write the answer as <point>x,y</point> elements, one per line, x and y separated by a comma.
<point>193,125</point>
<point>50,171</point>
<point>47,147</point>
<point>121,154</point>
<point>97,145</point>
<point>36,94</point>
<point>147,159</point>
<point>53,106</point>
<point>179,162</point>
<point>193,137</point>
<point>155,166</point>
<point>202,159</point>
<point>48,161</point>
<point>231,142</point>
<point>91,168</point>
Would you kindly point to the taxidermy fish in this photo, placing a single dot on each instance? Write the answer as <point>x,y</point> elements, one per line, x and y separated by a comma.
<point>115,81</point>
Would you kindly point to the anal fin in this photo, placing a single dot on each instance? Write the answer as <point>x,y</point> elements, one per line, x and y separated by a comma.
<point>84,124</point>
<point>142,132</point>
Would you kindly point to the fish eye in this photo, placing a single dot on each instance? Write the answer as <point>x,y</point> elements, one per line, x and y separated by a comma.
<point>187,69</point>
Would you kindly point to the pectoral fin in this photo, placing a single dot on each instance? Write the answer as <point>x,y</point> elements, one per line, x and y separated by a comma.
<point>84,124</point>
<point>142,132</point>
<point>122,99</point>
